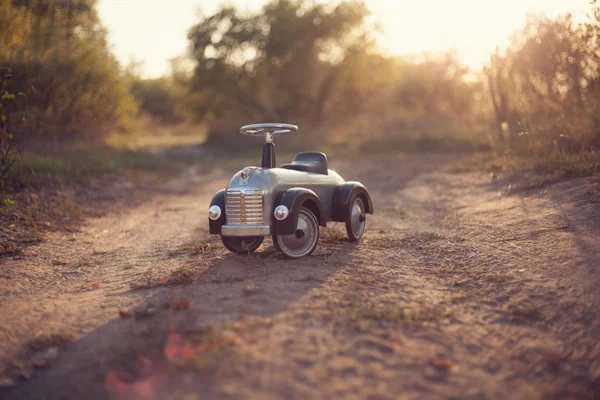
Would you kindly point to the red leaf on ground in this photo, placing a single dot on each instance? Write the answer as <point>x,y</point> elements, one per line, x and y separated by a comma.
<point>95,286</point>
<point>441,363</point>
<point>123,386</point>
<point>186,276</point>
<point>181,304</point>
<point>124,314</point>
<point>552,359</point>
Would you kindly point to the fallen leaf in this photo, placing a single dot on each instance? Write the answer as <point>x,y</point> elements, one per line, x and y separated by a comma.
<point>186,276</point>
<point>181,304</point>
<point>124,314</point>
<point>95,286</point>
<point>123,386</point>
<point>552,359</point>
<point>441,363</point>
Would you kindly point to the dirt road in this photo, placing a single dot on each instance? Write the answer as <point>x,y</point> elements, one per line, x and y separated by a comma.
<point>460,290</point>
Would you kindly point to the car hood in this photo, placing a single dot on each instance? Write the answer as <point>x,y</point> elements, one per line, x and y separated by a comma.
<point>269,178</point>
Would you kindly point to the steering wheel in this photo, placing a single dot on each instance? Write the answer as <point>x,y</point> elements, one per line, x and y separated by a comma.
<point>268,130</point>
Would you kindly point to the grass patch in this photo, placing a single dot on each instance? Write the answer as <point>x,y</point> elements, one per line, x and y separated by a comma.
<point>45,341</point>
<point>333,235</point>
<point>51,187</point>
<point>460,297</point>
<point>530,313</point>
<point>548,168</point>
<point>72,164</point>
<point>362,307</point>
<point>251,289</point>
<point>178,276</point>
<point>191,248</point>
<point>497,278</point>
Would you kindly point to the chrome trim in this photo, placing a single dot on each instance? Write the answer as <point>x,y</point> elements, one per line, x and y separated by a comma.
<point>214,212</point>
<point>244,206</point>
<point>268,130</point>
<point>245,230</point>
<point>281,212</point>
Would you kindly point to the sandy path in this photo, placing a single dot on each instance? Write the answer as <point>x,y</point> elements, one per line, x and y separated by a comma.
<point>458,291</point>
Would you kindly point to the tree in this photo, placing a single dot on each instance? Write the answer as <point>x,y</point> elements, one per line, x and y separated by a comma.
<point>59,49</point>
<point>280,64</point>
<point>545,86</point>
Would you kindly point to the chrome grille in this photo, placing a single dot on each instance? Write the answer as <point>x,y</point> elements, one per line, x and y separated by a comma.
<point>244,206</point>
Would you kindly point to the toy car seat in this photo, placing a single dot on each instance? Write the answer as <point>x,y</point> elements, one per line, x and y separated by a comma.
<point>310,161</point>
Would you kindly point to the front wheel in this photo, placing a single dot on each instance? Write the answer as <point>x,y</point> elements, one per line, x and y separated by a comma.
<point>355,224</point>
<point>302,242</point>
<point>242,244</point>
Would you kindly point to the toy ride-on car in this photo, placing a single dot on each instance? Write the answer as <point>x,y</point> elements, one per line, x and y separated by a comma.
<point>289,202</point>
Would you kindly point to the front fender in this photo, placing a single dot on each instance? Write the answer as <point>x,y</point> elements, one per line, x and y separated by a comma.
<point>344,194</point>
<point>214,227</point>
<point>294,199</point>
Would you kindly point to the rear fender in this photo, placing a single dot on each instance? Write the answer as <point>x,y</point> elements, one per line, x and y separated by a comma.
<point>344,194</point>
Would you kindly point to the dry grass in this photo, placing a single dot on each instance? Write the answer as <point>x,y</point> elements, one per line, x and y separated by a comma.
<point>54,186</point>
<point>251,289</point>
<point>332,235</point>
<point>460,297</point>
<point>529,313</point>
<point>180,275</point>
<point>192,248</point>
<point>545,168</point>
<point>363,307</point>
<point>44,341</point>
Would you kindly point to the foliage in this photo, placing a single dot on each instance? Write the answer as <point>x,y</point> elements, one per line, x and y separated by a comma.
<point>292,61</point>
<point>59,49</point>
<point>546,87</point>
<point>158,98</point>
<point>11,118</point>
<point>316,65</point>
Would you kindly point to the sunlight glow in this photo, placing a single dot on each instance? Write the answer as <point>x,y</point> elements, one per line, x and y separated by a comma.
<point>153,31</point>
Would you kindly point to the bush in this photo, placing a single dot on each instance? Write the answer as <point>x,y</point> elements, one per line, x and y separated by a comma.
<point>11,117</point>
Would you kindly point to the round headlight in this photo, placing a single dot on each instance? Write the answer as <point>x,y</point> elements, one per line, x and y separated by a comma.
<point>281,213</point>
<point>214,212</point>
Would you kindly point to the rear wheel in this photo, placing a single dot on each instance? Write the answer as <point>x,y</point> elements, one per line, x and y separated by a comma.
<point>302,242</point>
<point>242,244</point>
<point>355,224</point>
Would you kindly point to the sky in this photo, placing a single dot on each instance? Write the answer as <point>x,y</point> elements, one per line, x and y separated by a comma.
<point>153,31</point>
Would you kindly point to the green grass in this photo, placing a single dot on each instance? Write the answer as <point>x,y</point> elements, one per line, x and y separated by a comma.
<point>77,165</point>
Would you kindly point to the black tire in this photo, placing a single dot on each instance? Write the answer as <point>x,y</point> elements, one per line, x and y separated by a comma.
<point>242,244</point>
<point>356,219</point>
<point>304,241</point>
